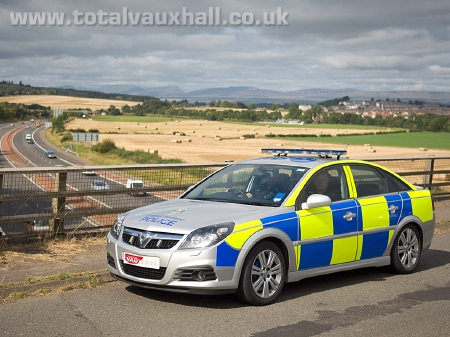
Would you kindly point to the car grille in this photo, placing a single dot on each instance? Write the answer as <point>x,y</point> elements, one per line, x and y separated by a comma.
<point>150,240</point>
<point>147,273</point>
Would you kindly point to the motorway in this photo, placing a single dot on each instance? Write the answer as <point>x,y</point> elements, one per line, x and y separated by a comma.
<point>33,155</point>
<point>366,302</point>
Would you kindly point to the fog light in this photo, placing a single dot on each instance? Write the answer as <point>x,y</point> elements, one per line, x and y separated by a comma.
<point>199,275</point>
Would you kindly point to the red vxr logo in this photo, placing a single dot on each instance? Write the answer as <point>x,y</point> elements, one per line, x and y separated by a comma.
<point>132,259</point>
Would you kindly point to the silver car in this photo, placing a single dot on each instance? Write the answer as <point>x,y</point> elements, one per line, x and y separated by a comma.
<point>254,225</point>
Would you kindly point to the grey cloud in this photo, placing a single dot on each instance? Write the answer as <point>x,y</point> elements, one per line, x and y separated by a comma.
<point>375,44</point>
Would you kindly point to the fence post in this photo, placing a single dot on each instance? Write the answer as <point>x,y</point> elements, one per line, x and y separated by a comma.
<point>428,179</point>
<point>1,191</point>
<point>58,204</point>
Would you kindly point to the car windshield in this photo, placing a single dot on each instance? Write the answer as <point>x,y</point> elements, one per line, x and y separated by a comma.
<point>99,183</point>
<point>253,184</point>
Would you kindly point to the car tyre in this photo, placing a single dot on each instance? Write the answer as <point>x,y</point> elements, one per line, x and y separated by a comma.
<point>406,250</point>
<point>263,275</point>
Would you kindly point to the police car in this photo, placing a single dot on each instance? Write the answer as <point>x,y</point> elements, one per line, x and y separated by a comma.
<point>254,225</point>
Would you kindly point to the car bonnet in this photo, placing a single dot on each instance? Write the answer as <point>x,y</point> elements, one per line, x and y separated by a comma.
<point>183,216</point>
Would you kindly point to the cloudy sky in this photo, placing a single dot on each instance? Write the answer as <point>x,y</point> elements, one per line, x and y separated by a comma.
<point>362,44</point>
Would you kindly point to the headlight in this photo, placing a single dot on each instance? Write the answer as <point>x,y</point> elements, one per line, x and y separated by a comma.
<point>207,236</point>
<point>115,230</point>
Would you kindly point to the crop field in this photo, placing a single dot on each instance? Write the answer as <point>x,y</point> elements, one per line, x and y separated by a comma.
<point>66,102</point>
<point>200,141</point>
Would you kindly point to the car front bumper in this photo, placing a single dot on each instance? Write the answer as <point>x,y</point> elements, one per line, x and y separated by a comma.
<point>177,271</point>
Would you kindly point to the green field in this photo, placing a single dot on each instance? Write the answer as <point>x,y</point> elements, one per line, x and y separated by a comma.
<point>432,140</point>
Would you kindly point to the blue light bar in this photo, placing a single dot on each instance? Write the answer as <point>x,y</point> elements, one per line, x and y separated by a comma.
<point>320,153</point>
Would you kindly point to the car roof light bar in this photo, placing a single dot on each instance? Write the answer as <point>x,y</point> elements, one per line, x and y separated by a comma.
<point>319,152</point>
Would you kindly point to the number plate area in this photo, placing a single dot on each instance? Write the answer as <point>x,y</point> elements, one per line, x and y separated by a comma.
<point>141,261</point>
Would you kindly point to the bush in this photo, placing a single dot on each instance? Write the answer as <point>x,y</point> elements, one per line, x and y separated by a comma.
<point>66,138</point>
<point>105,146</point>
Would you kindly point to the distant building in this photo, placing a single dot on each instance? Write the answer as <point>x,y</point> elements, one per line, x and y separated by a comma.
<point>304,107</point>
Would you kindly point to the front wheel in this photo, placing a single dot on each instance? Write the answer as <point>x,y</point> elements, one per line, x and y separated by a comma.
<point>406,251</point>
<point>263,275</point>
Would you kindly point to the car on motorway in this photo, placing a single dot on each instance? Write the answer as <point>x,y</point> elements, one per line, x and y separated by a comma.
<point>254,225</point>
<point>37,226</point>
<point>30,141</point>
<point>89,173</point>
<point>12,124</point>
<point>99,185</point>
<point>28,136</point>
<point>50,154</point>
<point>135,185</point>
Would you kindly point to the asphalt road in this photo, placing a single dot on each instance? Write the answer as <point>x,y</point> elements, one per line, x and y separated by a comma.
<point>369,302</point>
<point>35,155</point>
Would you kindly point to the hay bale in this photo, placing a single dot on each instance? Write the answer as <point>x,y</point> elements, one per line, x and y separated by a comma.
<point>177,134</point>
<point>176,140</point>
<point>200,136</point>
<point>366,145</point>
<point>154,128</point>
<point>279,144</point>
<point>219,128</point>
<point>144,126</point>
<point>267,126</point>
<point>423,149</point>
<point>199,124</point>
<point>117,128</point>
<point>153,151</point>
<point>137,123</point>
<point>193,131</point>
<point>217,138</point>
<point>371,150</point>
<point>187,140</point>
<point>242,137</point>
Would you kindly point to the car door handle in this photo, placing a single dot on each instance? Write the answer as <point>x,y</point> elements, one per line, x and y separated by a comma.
<point>392,209</point>
<point>349,216</point>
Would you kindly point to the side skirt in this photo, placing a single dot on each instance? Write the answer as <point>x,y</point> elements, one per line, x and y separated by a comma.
<point>301,274</point>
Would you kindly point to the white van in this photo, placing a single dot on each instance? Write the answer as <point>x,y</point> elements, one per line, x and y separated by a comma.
<point>28,136</point>
<point>136,184</point>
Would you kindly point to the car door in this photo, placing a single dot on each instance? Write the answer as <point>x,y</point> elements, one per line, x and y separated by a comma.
<point>379,207</point>
<point>328,234</point>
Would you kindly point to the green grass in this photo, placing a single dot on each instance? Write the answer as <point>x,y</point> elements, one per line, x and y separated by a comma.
<point>432,140</point>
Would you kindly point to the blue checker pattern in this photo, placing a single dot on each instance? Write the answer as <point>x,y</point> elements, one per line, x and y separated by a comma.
<point>226,256</point>
<point>314,255</point>
<point>374,245</point>
<point>340,225</point>
<point>407,205</point>
<point>287,222</point>
<point>395,200</point>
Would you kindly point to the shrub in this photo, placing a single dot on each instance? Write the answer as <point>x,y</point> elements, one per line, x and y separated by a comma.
<point>104,146</point>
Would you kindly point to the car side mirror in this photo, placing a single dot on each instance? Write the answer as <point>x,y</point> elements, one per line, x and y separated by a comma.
<point>316,200</point>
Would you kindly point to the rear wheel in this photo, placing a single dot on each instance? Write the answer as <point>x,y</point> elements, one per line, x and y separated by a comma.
<point>263,275</point>
<point>406,251</point>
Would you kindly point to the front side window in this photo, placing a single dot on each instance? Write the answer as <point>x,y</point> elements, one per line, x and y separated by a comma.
<point>330,181</point>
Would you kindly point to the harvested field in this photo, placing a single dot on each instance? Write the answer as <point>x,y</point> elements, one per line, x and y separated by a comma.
<point>217,141</point>
<point>66,102</point>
